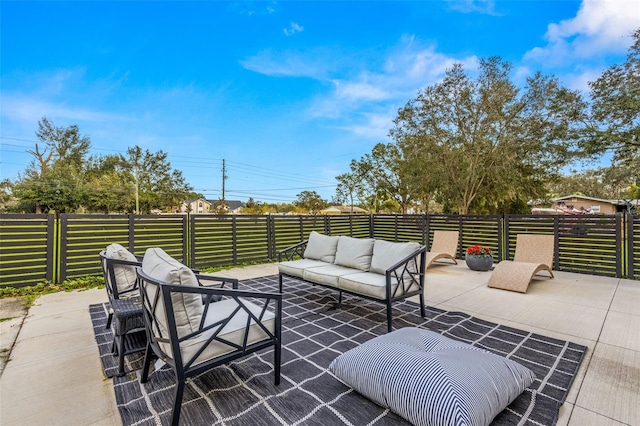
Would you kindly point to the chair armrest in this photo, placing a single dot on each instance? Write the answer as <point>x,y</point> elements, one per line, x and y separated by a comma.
<point>291,252</point>
<point>407,277</point>
<point>421,252</point>
<point>218,280</point>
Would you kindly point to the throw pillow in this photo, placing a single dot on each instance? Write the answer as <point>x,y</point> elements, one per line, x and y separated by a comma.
<point>321,247</point>
<point>354,252</point>
<point>387,254</point>
<point>125,275</point>
<point>429,379</point>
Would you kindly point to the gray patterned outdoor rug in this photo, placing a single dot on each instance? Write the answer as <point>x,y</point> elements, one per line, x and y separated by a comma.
<point>315,331</point>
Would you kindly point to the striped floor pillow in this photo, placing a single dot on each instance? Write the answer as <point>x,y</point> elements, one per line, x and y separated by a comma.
<point>429,379</point>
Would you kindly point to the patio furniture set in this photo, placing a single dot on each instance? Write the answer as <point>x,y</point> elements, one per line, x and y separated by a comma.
<point>194,322</point>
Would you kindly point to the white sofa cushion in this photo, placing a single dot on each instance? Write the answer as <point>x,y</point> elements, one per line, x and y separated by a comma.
<point>233,331</point>
<point>430,379</point>
<point>297,267</point>
<point>327,275</point>
<point>321,247</point>
<point>125,275</point>
<point>187,307</point>
<point>368,284</point>
<point>387,254</point>
<point>354,252</point>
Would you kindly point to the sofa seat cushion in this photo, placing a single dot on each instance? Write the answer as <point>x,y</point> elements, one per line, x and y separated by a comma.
<point>125,275</point>
<point>354,252</point>
<point>321,247</point>
<point>187,307</point>
<point>297,267</point>
<point>387,254</point>
<point>327,274</point>
<point>429,379</point>
<point>234,331</point>
<point>367,284</point>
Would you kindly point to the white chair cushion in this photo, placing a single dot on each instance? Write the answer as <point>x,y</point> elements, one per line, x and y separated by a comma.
<point>430,379</point>
<point>354,252</point>
<point>297,267</point>
<point>233,331</point>
<point>321,247</point>
<point>387,254</point>
<point>368,284</point>
<point>327,275</point>
<point>187,307</point>
<point>125,275</point>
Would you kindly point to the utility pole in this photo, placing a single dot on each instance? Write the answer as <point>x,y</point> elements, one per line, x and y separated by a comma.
<point>224,177</point>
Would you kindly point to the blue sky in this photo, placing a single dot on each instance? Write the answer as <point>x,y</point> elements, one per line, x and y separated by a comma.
<point>288,93</point>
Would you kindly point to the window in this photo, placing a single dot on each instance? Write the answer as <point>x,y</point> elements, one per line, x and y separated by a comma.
<point>595,209</point>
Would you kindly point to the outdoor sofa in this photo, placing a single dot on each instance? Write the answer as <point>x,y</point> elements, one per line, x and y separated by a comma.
<point>377,270</point>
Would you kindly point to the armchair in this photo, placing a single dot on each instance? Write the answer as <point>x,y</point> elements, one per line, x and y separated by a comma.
<point>192,336</point>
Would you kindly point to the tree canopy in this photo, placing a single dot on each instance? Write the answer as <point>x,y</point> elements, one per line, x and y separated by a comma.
<point>62,177</point>
<point>615,109</point>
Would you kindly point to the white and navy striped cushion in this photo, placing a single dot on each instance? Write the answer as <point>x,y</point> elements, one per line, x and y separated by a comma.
<point>430,379</point>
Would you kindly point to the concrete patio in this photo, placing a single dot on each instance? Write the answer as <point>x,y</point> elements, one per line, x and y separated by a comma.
<point>54,375</point>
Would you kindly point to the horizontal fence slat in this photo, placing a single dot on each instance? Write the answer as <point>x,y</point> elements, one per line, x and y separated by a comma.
<point>601,245</point>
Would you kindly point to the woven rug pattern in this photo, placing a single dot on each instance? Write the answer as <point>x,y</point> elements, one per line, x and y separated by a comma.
<point>315,331</point>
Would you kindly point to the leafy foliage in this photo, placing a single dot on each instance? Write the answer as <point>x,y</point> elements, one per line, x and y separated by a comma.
<point>310,201</point>
<point>616,110</point>
<point>482,144</point>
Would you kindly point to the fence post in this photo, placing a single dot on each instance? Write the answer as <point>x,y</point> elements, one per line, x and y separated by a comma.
<point>556,242</point>
<point>630,246</point>
<point>132,232</point>
<point>192,239</point>
<point>507,238</point>
<point>51,246</point>
<point>63,247</point>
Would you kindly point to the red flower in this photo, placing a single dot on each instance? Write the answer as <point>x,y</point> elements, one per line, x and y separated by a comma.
<point>479,251</point>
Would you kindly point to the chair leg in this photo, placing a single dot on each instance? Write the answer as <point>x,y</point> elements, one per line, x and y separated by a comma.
<point>389,317</point>
<point>277,360</point>
<point>177,403</point>
<point>121,352</point>
<point>280,283</point>
<point>147,362</point>
<point>422,313</point>
<point>109,318</point>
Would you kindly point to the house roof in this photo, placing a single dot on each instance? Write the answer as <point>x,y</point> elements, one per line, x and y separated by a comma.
<point>583,197</point>
<point>232,204</point>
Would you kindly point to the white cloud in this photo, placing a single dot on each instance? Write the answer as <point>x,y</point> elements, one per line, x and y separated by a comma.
<point>599,27</point>
<point>287,64</point>
<point>473,6</point>
<point>293,28</point>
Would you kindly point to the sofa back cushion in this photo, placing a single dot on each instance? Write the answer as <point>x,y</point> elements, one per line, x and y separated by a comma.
<point>321,247</point>
<point>125,275</point>
<point>187,307</point>
<point>354,252</point>
<point>387,254</point>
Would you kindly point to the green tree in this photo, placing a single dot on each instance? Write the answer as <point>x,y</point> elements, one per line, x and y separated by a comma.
<point>253,207</point>
<point>481,143</point>
<point>54,178</point>
<point>383,174</point>
<point>156,184</point>
<point>349,188</point>
<point>310,201</point>
<point>111,185</point>
<point>616,110</point>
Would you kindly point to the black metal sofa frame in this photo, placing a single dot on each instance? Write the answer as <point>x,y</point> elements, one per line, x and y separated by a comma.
<point>406,277</point>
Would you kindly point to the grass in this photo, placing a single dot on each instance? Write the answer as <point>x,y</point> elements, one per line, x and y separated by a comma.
<point>30,293</point>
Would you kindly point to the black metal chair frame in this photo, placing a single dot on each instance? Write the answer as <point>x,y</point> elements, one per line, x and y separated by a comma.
<point>128,336</point>
<point>408,272</point>
<point>152,291</point>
